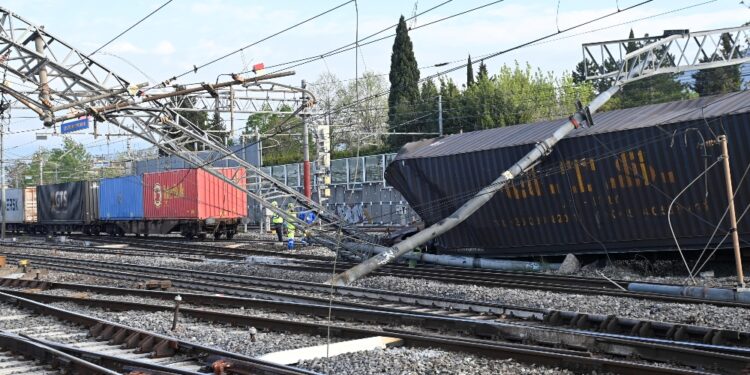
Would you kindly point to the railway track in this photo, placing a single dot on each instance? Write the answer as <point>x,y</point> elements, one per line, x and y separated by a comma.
<point>504,279</point>
<point>709,358</point>
<point>546,327</point>
<point>141,246</point>
<point>115,346</point>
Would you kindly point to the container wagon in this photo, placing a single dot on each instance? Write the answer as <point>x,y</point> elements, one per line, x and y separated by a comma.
<point>607,188</point>
<point>121,206</point>
<point>20,209</point>
<point>194,203</point>
<point>68,207</point>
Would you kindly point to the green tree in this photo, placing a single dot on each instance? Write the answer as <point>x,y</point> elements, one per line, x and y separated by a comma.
<point>404,80</point>
<point>652,90</point>
<point>452,107</point>
<point>719,80</point>
<point>469,73</point>
<point>427,109</point>
<point>71,162</point>
<point>482,74</point>
<point>282,142</point>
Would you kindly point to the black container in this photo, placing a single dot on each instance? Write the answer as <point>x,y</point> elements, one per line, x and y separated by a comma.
<point>68,203</point>
<point>603,189</point>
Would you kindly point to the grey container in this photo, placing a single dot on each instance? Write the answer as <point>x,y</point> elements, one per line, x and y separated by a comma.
<point>605,188</point>
<point>68,203</point>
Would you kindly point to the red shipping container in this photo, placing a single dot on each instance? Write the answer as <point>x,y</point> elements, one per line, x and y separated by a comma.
<point>194,194</point>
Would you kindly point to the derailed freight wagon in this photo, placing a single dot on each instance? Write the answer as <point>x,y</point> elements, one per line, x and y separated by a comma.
<point>607,188</point>
<point>68,207</point>
<point>194,203</point>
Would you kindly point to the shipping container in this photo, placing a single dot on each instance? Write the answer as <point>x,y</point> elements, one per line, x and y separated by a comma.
<point>70,203</point>
<point>194,194</point>
<point>29,205</point>
<point>121,198</point>
<point>14,206</point>
<point>607,188</point>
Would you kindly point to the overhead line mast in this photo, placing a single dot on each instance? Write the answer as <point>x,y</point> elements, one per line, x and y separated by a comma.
<point>673,52</point>
<point>63,73</point>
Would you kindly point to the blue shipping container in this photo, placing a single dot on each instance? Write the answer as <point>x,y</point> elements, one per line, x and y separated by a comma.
<point>121,198</point>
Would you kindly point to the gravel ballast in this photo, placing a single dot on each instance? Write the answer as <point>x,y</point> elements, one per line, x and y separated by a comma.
<point>420,361</point>
<point>705,315</point>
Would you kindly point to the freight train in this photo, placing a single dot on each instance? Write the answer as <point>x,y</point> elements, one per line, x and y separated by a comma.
<point>191,202</point>
<point>641,179</point>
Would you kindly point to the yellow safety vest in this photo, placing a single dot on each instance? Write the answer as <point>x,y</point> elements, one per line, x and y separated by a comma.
<point>276,219</point>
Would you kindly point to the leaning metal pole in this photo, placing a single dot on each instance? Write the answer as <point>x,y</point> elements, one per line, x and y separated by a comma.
<point>467,209</point>
<point>674,52</point>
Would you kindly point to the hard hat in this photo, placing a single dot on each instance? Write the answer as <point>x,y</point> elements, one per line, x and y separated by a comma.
<point>290,205</point>
<point>275,204</point>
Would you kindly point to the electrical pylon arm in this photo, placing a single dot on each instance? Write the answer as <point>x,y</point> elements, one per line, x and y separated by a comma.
<point>655,57</point>
<point>64,83</point>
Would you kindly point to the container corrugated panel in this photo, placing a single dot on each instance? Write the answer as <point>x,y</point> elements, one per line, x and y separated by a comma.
<point>595,193</point>
<point>121,198</point>
<point>68,203</point>
<point>14,206</point>
<point>194,194</point>
<point>29,205</point>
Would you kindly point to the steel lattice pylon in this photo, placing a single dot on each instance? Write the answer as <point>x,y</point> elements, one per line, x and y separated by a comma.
<point>674,51</point>
<point>69,84</point>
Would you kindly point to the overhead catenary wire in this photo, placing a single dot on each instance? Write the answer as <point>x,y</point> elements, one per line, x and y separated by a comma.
<point>129,28</point>
<point>356,103</point>
<point>213,61</point>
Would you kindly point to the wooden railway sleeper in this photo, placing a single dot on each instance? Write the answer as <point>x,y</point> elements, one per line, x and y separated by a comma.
<point>119,336</point>
<point>165,348</point>
<point>106,333</point>
<point>132,340</point>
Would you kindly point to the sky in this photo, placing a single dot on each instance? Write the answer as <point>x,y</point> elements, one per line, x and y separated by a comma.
<point>191,32</point>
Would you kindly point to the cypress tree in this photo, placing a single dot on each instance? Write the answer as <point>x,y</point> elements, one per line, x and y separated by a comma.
<point>482,74</point>
<point>718,80</point>
<point>404,79</point>
<point>469,73</point>
<point>652,90</point>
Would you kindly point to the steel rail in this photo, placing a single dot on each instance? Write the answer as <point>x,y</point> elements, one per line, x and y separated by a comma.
<point>145,342</point>
<point>292,284</point>
<point>402,303</point>
<point>701,359</point>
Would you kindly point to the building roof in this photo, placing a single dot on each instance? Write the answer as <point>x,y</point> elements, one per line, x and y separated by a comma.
<point>604,122</point>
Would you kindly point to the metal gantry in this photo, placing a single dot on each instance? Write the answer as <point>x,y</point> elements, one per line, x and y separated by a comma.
<point>69,84</point>
<point>674,51</point>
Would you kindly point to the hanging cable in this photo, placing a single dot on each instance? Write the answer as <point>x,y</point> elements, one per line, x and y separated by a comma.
<point>669,216</point>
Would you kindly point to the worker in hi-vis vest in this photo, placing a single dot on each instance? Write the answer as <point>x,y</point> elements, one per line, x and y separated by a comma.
<point>290,228</point>
<point>278,223</point>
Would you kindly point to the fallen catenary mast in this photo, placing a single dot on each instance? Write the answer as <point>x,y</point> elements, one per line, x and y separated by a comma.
<point>670,53</point>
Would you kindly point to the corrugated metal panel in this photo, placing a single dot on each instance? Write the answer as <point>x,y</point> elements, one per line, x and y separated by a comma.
<point>29,204</point>
<point>605,122</point>
<point>68,203</point>
<point>218,199</point>
<point>193,194</point>
<point>608,191</point>
<point>14,206</point>
<point>121,198</point>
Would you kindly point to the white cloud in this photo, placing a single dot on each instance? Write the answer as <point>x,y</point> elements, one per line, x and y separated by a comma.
<point>164,48</point>
<point>124,48</point>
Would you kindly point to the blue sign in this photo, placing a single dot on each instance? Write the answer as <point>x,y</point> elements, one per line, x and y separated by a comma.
<point>72,126</point>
